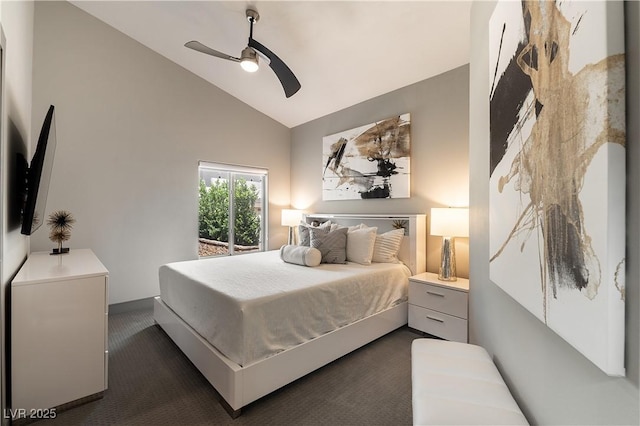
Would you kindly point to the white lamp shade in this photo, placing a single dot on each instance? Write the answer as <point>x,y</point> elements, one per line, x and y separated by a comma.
<point>450,222</point>
<point>291,217</point>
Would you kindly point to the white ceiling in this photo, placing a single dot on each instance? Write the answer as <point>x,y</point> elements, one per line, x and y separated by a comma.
<point>342,52</point>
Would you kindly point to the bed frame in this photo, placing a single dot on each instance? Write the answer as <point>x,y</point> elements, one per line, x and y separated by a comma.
<point>239,386</point>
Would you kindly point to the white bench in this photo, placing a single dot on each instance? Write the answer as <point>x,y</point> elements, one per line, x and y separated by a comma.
<point>458,383</point>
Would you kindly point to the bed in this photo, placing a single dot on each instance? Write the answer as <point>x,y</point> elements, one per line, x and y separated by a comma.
<point>253,332</point>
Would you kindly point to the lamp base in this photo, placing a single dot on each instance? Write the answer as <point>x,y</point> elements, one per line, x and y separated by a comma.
<point>447,270</point>
<point>291,236</point>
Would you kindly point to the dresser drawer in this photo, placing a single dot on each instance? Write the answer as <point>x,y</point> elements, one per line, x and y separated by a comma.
<point>438,324</point>
<point>438,298</point>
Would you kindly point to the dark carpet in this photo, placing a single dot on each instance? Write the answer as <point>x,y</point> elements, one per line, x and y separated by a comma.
<point>152,383</point>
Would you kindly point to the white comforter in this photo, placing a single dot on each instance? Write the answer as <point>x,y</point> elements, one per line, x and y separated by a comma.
<point>253,306</point>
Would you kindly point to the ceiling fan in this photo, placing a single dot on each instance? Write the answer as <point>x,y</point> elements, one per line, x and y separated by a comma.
<point>249,59</point>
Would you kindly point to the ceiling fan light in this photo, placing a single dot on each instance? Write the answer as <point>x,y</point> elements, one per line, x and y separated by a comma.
<point>249,65</point>
<point>249,60</point>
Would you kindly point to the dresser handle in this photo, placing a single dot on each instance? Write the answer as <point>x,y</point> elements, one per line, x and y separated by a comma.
<point>434,318</point>
<point>435,294</point>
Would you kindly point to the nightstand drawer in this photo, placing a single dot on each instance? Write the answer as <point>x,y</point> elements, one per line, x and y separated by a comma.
<point>438,324</point>
<point>438,298</point>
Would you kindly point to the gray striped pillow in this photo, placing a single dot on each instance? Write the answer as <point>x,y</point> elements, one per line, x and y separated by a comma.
<point>387,246</point>
<point>332,244</point>
<point>303,231</point>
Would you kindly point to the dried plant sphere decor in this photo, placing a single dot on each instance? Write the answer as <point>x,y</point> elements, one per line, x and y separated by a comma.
<point>61,222</point>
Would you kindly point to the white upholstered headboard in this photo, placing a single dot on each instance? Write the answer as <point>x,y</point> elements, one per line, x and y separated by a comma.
<point>413,251</point>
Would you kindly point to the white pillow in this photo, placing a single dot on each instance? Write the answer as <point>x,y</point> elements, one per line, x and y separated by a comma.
<point>360,244</point>
<point>387,246</point>
<point>300,255</point>
<point>356,227</point>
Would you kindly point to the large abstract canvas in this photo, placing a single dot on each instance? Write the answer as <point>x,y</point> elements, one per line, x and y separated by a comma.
<point>370,161</point>
<point>557,168</point>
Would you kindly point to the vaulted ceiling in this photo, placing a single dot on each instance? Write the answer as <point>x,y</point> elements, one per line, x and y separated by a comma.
<point>342,52</point>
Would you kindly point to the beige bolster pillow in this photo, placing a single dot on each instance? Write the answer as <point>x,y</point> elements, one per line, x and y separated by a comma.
<point>300,255</point>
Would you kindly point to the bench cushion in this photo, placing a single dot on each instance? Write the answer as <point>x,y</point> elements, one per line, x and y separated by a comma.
<point>458,383</point>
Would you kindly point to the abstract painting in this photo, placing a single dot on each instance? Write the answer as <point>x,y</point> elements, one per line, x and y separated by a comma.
<point>370,161</point>
<point>557,168</point>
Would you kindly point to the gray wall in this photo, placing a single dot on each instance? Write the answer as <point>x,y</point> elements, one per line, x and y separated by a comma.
<point>15,128</point>
<point>439,153</point>
<point>131,127</point>
<point>552,382</point>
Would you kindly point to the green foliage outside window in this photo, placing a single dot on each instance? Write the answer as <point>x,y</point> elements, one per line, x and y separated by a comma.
<point>213,212</point>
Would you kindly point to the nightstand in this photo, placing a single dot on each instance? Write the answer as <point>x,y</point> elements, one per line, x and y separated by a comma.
<point>439,308</point>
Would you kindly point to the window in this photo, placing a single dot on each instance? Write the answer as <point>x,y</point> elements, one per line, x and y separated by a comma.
<point>232,207</point>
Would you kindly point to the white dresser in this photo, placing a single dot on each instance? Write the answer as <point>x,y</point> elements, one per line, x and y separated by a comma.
<point>439,308</point>
<point>59,351</point>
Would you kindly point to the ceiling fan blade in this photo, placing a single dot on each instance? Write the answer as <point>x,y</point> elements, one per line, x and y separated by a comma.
<point>289,82</point>
<point>196,45</point>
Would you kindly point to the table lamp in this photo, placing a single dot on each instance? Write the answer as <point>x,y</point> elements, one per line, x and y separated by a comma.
<point>449,223</point>
<point>291,218</point>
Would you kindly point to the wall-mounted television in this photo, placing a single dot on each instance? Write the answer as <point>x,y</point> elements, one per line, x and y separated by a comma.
<point>38,175</point>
